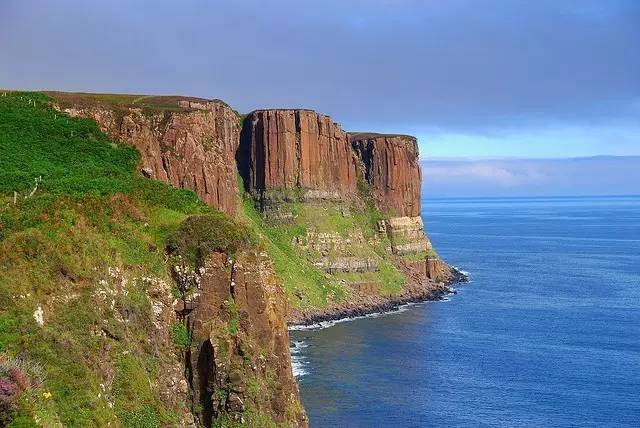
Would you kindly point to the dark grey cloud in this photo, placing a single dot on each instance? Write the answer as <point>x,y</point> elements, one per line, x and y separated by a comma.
<point>458,65</point>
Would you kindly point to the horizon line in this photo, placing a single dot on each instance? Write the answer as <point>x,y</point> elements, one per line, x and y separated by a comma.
<point>630,195</point>
<point>522,158</point>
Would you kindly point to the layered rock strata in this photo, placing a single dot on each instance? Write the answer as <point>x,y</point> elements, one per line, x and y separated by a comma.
<point>347,264</point>
<point>406,235</point>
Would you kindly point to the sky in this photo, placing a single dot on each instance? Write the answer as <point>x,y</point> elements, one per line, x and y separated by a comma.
<point>479,79</point>
<point>582,176</point>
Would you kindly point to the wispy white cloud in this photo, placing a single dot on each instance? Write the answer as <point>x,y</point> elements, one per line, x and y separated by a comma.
<point>490,172</point>
<point>524,177</point>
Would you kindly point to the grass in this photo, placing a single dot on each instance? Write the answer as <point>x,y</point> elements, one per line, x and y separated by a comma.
<point>147,103</point>
<point>71,157</point>
<point>421,255</point>
<point>234,317</point>
<point>389,277</point>
<point>181,335</point>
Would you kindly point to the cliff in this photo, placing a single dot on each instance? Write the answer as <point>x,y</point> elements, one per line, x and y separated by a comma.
<point>296,149</point>
<point>345,204</point>
<point>174,305</point>
<point>390,166</point>
<point>187,142</point>
<point>391,169</point>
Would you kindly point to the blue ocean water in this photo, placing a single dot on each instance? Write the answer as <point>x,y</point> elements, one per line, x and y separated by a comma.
<point>546,334</point>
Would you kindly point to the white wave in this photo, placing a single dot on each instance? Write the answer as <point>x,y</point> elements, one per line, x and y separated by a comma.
<point>298,361</point>
<point>298,366</point>
<point>462,271</point>
<point>325,324</point>
<point>297,345</point>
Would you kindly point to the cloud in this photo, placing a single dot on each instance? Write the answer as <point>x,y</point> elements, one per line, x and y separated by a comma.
<point>602,175</point>
<point>490,173</point>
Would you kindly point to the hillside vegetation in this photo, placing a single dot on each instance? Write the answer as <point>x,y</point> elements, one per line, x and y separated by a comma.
<point>88,249</point>
<point>83,276</point>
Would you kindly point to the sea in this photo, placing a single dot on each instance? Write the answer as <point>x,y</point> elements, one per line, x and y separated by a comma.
<point>545,334</point>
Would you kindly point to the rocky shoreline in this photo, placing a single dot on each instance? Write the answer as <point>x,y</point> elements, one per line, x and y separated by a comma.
<point>360,305</point>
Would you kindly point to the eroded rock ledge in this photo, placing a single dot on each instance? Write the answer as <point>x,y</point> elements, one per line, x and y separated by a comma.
<point>431,280</point>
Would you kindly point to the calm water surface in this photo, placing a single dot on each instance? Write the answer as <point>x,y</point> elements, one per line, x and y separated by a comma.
<point>546,334</point>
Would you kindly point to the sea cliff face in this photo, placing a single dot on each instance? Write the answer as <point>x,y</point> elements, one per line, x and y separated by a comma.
<point>296,149</point>
<point>336,225</point>
<point>241,360</point>
<point>390,166</point>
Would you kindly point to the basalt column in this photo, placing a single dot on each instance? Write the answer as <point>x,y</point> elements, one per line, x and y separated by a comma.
<point>287,151</point>
<point>392,171</point>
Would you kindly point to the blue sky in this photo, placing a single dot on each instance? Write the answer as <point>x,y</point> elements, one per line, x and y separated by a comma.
<point>470,78</point>
<point>546,141</point>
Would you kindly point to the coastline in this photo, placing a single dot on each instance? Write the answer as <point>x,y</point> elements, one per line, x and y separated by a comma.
<point>365,305</point>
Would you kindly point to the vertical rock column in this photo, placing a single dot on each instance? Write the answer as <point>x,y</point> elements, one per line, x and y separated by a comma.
<point>241,343</point>
<point>392,170</point>
<point>285,150</point>
<point>391,167</point>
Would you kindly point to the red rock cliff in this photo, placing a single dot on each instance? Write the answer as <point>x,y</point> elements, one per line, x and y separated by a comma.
<point>289,149</point>
<point>391,167</point>
<point>186,142</point>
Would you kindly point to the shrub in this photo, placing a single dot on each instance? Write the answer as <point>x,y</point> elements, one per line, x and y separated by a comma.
<point>200,235</point>
<point>17,376</point>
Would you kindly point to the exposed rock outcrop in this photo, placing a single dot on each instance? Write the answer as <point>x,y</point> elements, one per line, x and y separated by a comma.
<point>289,150</point>
<point>391,168</point>
<point>241,364</point>
<point>188,143</point>
<point>347,264</point>
<point>406,235</point>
